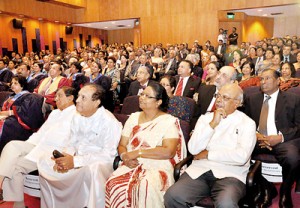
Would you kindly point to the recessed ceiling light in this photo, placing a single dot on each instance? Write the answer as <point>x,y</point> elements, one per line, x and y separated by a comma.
<point>113,22</point>
<point>21,15</point>
<point>265,15</point>
<point>40,18</point>
<point>105,27</point>
<point>56,21</point>
<point>260,10</point>
<point>129,25</point>
<point>68,23</point>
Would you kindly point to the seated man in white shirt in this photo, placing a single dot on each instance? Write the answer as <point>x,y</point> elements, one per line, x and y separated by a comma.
<point>222,144</point>
<point>78,178</point>
<point>15,160</point>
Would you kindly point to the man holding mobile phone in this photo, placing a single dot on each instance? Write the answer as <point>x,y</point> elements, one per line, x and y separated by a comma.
<point>78,178</point>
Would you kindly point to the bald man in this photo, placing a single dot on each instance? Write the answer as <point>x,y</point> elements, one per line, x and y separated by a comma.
<point>222,148</point>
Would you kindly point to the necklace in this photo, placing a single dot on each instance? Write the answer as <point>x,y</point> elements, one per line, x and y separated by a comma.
<point>146,120</point>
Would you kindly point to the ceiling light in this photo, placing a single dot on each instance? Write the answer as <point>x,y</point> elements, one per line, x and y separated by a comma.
<point>105,27</point>
<point>260,10</point>
<point>129,25</point>
<point>56,21</point>
<point>21,15</point>
<point>40,18</point>
<point>265,15</point>
<point>113,22</point>
<point>68,23</point>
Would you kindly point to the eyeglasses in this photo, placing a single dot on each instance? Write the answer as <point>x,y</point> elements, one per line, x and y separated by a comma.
<point>146,96</point>
<point>224,97</point>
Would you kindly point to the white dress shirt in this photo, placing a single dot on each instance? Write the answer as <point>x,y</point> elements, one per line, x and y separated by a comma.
<point>53,133</point>
<point>229,146</point>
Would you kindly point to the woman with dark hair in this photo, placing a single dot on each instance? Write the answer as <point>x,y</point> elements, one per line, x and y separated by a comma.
<point>212,72</point>
<point>21,113</point>
<point>36,76</point>
<point>287,78</point>
<point>179,106</point>
<point>151,144</point>
<point>248,79</point>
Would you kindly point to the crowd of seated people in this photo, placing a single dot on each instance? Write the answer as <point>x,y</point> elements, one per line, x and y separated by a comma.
<point>199,73</point>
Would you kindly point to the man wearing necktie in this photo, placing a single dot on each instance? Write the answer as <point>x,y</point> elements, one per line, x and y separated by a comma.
<point>277,115</point>
<point>144,73</point>
<point>287,56</point>
<point>187,85</point>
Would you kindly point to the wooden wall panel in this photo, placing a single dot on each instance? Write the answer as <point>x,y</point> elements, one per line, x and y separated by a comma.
<point>257,28</point>
<point>120,36</point>
<point>286,26</point>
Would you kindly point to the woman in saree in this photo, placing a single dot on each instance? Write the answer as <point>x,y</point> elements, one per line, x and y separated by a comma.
<point>151,144</point>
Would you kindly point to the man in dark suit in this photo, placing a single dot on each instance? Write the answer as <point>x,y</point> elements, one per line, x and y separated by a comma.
<point>186,85</point>
<point>260,52</point>
<point>205,99</point>
<point>144,73</point>
<point>220,50</point>
<point>5,75</point>
<point>171,65</point>
<point>279,133</point>
<point>287,56</point>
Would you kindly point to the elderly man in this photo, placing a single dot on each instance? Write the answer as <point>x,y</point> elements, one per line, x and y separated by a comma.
<point>78,178</point>
<point>15,162</point>
<point>187,84</point>
<point>49,85</point>
<point>277,115</point>
<point>144,74</point>
<point>222,147</point>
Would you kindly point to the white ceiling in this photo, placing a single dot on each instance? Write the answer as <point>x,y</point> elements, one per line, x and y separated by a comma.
<point>110,25</point>
<point>282,11</point>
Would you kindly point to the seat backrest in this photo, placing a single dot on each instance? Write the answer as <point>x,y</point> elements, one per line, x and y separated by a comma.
<point>251,90</point>
<point>295,90</point>
<point>186,130</point>
<point>130,105</point>
<point>121,117</point>
<point>297,75</point>
<point>182,107</point>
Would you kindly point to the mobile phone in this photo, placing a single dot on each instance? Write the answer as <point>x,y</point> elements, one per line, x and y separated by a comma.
<point>57,154</point>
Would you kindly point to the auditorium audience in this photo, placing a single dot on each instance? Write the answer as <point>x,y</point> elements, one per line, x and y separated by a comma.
<point>78,178</point>
<point>151,144</point>
<point>20,157</point>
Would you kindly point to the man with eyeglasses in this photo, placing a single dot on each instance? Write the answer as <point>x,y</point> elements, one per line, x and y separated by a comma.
<point>222,147</point>
<point>277,115</point>
<point>205,99</point>
<point>144,74</point>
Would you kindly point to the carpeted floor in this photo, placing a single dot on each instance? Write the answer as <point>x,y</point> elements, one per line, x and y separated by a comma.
<point>33,202</point>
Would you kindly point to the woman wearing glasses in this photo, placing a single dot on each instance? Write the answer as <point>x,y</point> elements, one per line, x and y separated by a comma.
<point>151,144</point>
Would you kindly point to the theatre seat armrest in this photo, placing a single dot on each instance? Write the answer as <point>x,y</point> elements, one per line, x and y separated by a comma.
<point>117,160</point>
<point>253,173</point>
<point>186,161</point>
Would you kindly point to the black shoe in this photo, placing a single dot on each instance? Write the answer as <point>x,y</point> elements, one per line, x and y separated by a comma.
<point>285,201</point>
<point>270,193</point>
